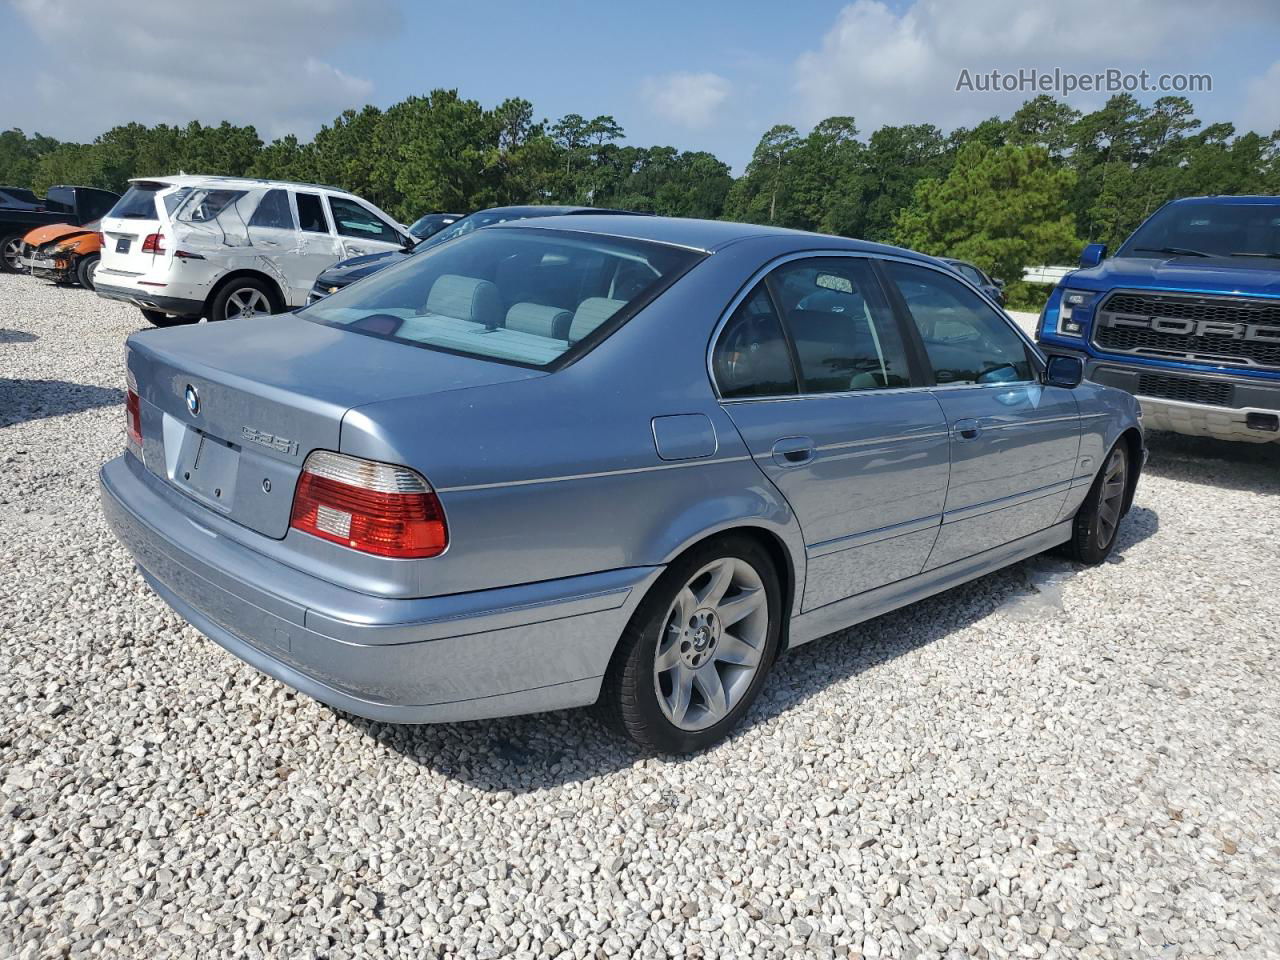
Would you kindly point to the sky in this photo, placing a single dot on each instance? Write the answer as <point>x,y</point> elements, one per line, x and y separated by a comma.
<point>695,75</point>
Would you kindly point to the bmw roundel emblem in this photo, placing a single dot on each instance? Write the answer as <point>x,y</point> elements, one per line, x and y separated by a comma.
<point>193,400</point>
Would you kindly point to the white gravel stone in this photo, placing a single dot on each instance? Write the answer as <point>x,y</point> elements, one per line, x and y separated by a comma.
<point>1051,762</point>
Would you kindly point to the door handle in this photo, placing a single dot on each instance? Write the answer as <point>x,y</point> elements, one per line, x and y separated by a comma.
<point>967,429</point>
<point>793,451</point>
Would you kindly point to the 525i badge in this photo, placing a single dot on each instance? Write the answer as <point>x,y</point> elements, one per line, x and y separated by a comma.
<point>254,435</point>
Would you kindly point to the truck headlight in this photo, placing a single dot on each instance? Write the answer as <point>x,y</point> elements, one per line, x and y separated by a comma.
<point>1074,301</point>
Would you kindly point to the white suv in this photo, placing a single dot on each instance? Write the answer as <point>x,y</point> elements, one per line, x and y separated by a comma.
<point>185,247</point>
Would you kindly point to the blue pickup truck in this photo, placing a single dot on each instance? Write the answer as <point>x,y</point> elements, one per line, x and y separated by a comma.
<point>1185,315</point>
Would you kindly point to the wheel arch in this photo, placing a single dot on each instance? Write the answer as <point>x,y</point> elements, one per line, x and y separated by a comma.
<point>245,273</point>
<point>1132,437</point>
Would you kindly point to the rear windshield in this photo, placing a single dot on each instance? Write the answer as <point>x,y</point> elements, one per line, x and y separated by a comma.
<point>138,203</point>
<point>532,297</point>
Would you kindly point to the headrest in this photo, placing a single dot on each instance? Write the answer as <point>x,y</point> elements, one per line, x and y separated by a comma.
<point>466,298</point>
<point>539,319</point>
<point>592,312</point>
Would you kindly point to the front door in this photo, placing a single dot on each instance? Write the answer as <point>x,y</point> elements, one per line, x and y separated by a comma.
<point>1014,441</point>
<point>361,231</point>
<point>316,248</point>
<point>812,367</point>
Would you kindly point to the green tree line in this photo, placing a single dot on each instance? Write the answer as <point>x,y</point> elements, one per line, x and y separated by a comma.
<point>1006,193</point>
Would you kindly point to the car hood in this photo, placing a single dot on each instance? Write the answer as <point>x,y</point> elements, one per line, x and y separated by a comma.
<point>1192,274</point>
<point>347,271</point>
<point>55,231</point>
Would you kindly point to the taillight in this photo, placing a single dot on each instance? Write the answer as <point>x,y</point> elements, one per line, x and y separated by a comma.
<point>153,243</point>
<point>368,506</point>
<point>133,414</point>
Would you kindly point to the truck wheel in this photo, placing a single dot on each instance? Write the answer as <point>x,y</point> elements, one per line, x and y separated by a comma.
<point>158,318</point>
<point>243,300</point>
<point>11,253</point>
<point>696,652</point>
<point>1098,519</point>
<point>85,270</point>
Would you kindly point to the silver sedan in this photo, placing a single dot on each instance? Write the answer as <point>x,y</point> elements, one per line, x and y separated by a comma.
<point>602,460</point>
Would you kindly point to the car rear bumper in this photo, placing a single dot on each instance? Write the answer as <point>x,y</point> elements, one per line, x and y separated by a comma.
<point>147,298</point>
<point>511,650</point>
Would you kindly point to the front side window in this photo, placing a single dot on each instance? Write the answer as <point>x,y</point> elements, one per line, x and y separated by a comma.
<point>311,213</point>
<point>971,274</point>
<point>751,357</point>
<point>353,220</point>
<point>273,211</point>
<point>516,295</point>
<point>844,334</point>
<point>966,341</point>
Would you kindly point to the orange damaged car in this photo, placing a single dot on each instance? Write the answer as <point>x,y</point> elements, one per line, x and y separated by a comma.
<point>63,252</point>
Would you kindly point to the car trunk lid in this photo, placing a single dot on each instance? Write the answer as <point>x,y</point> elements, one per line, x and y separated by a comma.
<point>233,409</point>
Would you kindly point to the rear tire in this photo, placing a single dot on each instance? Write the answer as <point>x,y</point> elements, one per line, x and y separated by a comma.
<point>697,650</point>
<point>11,253</point>
<point>1097,522</point>
<point>158,318</point>
<point>85,270</point>
<point>244,299</point>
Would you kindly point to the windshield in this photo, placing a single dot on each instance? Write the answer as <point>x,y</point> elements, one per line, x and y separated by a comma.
<point>485,218</point>
<point>1208,229</point>
<point>520,296</point>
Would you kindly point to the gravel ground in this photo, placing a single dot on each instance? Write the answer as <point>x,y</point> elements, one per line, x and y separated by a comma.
<point>1050,762</point>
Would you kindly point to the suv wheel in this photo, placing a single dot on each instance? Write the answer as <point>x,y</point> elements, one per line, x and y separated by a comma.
<point>697,650</point>
<point>243,300</point>
<point>1098,519</point>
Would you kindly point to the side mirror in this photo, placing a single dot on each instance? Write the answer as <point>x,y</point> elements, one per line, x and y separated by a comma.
<point>1093,254</point>
<point>1064,372</point>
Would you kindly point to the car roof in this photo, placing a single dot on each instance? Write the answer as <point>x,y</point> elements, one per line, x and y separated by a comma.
<point>705,235</point>
<point>193,180</point>
<point>1227,199</point>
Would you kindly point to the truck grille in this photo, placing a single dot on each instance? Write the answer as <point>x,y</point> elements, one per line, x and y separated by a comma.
<point>1229,330</point>
<point>1214,393</point>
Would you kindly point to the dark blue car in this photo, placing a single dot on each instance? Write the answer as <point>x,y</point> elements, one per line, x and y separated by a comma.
<point>348,271</point>
<point>1186,316</point>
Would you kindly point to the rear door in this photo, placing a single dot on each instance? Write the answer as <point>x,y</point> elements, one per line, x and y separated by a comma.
<point>1014,441</point>
<point>813,368</point>
<point>273,232</point>
<point>316,248</point>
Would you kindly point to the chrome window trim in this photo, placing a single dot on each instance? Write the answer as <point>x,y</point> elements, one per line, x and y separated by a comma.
<point>1039,361</point>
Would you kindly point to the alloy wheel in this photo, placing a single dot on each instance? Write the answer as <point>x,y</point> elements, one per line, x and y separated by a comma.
<point>245,303</point>
<point>1111,499</point>
<point>12,254</point>
<point>711,644</point>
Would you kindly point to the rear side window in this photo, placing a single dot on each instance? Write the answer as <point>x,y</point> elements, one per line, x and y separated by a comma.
<point>522,296</point>
<point>966,341</point>
<point>203,205</point>
<point>751,357</point>
<point>138,203</point>
<point>311,213</point>
<point>273,211</point>
<point>353,220</point>
<point>845,336</point>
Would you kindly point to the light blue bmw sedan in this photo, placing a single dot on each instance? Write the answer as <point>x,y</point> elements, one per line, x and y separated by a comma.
<point>623,461</point>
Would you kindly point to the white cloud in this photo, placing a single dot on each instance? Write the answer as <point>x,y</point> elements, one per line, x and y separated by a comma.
<point>1261,108</point>
<point>689,99</point>
<point>156,61</point>
<point>885,66</point>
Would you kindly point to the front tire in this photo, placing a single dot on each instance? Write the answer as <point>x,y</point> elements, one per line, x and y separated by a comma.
<point>696,652</point>
<point>1097,522</point>
<point>11,253</point>
<point>243,300</point>
<point>86,269</point>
